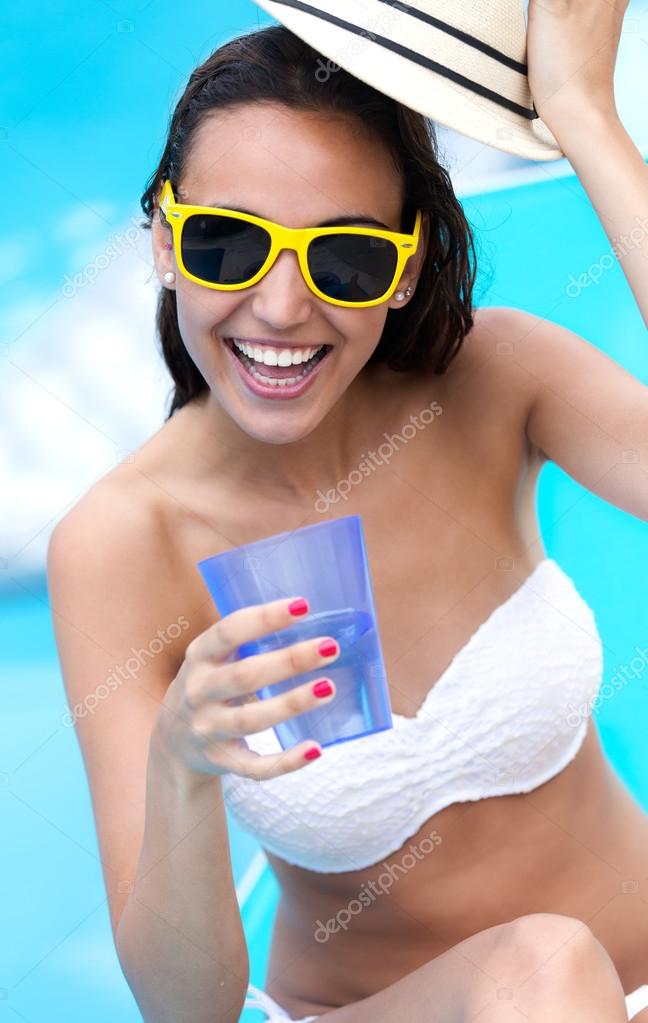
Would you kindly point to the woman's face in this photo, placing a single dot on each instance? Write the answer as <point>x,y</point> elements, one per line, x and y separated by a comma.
<point>300,170</point>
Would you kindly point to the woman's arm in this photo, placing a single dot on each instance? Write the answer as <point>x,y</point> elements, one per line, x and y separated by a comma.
<point>572,48</point>
<point>180,940</point>
<point>122,612</point>
<point>586,413</point>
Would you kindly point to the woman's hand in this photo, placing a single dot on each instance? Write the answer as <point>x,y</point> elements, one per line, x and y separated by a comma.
<point>202,721</point>
<point>572,48</point>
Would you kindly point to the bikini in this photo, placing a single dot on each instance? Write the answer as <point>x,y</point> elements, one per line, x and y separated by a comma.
<point>469,740</point>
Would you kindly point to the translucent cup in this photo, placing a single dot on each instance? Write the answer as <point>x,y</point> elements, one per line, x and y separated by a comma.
<point>327,564</point>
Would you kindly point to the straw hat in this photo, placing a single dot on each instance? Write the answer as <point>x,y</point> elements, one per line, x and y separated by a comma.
<point>459,62</point>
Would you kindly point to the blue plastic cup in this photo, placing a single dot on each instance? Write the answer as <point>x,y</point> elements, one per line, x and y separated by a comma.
<point>327,564</point>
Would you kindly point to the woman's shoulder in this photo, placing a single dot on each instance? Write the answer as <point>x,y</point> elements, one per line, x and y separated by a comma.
<point>129,502</point>
<point>116,513</point>
<point>487,357</point>
<point>134,525</point>
<point>486,388</point>
<point>496,329</point>
<point>156,508</point>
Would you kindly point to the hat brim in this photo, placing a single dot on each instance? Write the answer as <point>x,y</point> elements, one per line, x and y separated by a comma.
<point>415,86</point>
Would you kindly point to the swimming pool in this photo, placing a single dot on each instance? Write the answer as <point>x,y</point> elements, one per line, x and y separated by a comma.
<point>56,954</point>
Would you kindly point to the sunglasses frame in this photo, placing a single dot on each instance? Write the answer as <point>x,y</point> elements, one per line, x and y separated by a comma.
<point>175,214</point>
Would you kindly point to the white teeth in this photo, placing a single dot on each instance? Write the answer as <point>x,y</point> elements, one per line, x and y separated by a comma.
<point>285,358</point>
<point>274,381</point>
<point>277,356</point>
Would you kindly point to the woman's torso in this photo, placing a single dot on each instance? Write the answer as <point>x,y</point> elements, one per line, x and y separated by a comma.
<point>437,516</point>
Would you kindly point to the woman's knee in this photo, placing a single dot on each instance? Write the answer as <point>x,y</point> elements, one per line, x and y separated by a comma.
<point>549,944</point>
<point>558,951</point>
<point>546,936</point>
<point>546,933</point>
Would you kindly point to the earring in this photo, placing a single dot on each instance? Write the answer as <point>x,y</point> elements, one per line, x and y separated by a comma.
<point>400,295</point>
<point>169,277</point>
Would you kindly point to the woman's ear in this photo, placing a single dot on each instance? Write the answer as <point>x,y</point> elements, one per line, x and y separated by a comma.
<point>413,268</point>
<point>162,246</point>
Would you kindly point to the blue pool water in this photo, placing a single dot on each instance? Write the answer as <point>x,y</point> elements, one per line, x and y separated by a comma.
<point>56,956</point>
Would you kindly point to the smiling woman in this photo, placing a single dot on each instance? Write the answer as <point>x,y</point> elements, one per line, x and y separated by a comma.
<point>365,324</point>
<point>223,95</point>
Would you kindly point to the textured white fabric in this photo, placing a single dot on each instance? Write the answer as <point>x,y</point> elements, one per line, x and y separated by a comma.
<point>510,712</point>
<point>274,1013</point>
<point>636,1001</point>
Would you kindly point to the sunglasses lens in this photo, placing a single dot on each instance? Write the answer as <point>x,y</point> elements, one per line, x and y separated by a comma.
<point>223,250</point>
<point>352,267</point>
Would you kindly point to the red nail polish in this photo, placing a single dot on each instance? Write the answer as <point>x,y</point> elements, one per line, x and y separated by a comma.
<point>312,754</point>
<point>323,688</point>
<point>298,607</point>
<point>327,648</point>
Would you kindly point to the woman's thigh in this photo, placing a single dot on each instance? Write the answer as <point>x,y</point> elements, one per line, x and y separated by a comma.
<point>543,967</point>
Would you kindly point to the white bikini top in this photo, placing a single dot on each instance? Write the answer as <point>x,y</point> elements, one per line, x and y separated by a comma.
<point>509,712</point>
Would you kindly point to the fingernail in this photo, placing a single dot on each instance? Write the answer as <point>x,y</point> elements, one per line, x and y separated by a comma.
<point>312,754</point>
<point>298,607</point>
<point>322,688</point>
<point>327,648</point>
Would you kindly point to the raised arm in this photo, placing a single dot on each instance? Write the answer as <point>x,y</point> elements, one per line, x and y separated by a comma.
<point>572,48</point>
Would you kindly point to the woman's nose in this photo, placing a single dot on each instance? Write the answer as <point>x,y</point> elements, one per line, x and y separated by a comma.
<point>283,292</point>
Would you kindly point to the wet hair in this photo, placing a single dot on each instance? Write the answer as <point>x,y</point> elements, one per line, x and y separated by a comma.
<point>273,65</point>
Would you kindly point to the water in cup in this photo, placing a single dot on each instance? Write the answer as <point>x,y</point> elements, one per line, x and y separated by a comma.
<point>358,674</point>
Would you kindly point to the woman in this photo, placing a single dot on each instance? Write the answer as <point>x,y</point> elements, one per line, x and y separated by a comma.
<point>508,908</point>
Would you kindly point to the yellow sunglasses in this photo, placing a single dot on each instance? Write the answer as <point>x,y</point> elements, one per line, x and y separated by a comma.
<point>228,250</point>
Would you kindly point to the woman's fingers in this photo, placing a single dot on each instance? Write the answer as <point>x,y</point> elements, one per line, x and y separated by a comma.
<point>238,759</point>
<point>238,678</point>
<point>207,696</point>
<point>220,722</point>
<point>223,638</point>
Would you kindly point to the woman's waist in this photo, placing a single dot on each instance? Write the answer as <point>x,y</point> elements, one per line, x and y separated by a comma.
<point>561,848</point>
<point>438,904</point>
<point>358,946</point>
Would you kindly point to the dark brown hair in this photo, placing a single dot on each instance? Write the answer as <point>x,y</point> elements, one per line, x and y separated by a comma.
<point>274,65</point>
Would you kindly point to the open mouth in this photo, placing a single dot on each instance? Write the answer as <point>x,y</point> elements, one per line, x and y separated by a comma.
<point>278,376</point>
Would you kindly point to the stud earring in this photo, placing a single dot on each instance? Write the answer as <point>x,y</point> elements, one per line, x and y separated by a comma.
<point>169,277</point>
<point>400,295</point>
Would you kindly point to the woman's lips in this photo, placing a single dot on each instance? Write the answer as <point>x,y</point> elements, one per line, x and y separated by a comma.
<point>276,372</point>
<point>274,391</point>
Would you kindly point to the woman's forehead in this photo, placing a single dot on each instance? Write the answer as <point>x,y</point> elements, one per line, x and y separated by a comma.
<point>316,165</point>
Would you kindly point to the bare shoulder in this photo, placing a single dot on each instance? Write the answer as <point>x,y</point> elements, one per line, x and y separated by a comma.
<point>487,375</point>
<point>522,351</point>
<point>126,516</point>
<point>115,572</point>
<point>517,334</point>
<point>117,519</point>
<point>498,330</point>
